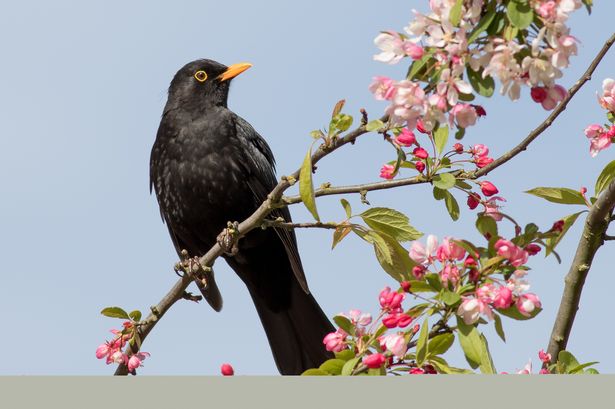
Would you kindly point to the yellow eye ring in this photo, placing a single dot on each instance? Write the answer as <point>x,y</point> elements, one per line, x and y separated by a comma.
<point>200,76</point>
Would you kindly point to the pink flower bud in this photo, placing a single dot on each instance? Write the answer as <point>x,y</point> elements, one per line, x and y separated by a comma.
<point>483,161</point>
<point>416,371</point>
<point>102,350</point>
<point>419,271</point>
<point>396,344</point>
<point>473,201</point>
<point>413,50</point>
<point>416,328</point>
<point>421,127</point>
<point>335,341</point>
<point>227,370</point>
<point>458,148</point>
<point>488,188</point>
<point>558,226</point>
<point>539,94</point>
<point>420,153</point>
<point>406,286</point>
<point>532,249</point>
<point>387,172</point>
<point>480,111</point>
<point>544,357</point>
<point>420,166</point>
<point>405,138</point>
<point>502,298</point>
<point>527,303</point>
<point>391,300</point>
<point>374,361</point>
<point>479,150</point>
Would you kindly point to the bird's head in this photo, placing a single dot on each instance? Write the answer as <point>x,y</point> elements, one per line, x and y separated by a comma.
<point>204,83</point>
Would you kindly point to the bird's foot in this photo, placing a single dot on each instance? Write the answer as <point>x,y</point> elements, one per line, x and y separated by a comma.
<point>228,238</point>
<point>192,267</point>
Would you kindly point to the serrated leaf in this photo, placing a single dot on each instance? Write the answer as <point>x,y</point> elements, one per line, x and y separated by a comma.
<point>499,329</point>
<point>374,125</point>
<point>520,13</point>
<point>135,315</point>
<point>444,181</point>
<point>332,366</point>
<point>440,137</point>
<point>455,13</point>
<point>439,344</point>
<point>483,86</point>
<point>306,186</point>
<point>340,123</point>
<point>449,298</point>
<point>390,222</point>
<point>484,23</point>
<point>346,207</point>
<point>422,347</point>
<point>339,233</point>
<point>344,323</point>
<point>115,312</point>
<point>315,372</point>
<point>345,354</point>
<point>561,195</point>
<point>349,366</point>
<point>451,205</point>
<point>469,339</point>
<point>552,242</point>
<point>513,312</point>
<point>338,107</point>
<point>605,177</point>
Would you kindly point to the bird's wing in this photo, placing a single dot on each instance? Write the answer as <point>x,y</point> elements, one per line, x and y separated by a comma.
<point>262,183</point>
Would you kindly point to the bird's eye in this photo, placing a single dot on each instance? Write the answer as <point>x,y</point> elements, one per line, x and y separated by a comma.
<point>200,76</point>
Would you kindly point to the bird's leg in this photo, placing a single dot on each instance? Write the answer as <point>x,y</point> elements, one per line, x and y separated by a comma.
<point>228,238</point>
<point>192,267</point>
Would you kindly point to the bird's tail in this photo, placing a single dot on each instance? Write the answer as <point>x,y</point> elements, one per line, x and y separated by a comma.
<point>295,331</point>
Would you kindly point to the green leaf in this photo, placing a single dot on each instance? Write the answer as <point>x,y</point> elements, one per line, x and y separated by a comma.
<point>332,366</point>
<point>345,354</point>
<point>339,234</point>
<point>455,14</point>
<point>566,361</point>
<point>434,281</point>
<point>606,176</point>
<point>484,23</point>
<point>314,372</point>
<point>344,323</point>
<point>340,123</point>
<point>115,312</point>
<point>513,313</point>
<point>440,137</point>
<point>317,134</point>
<point>460,131</point>
<point>588,5</point>
<point>390,222</point>
<point>422,348</point>
<point>135,315</point>
<point>470,341</point>
<point>443,367</point>
<point>451,205</point>
<point>393,258</point>
<point>450,298</point>
<point>610,116</point>
<point>499,329</point>
<point>349,366</point>
<point>306,186</point>
<point>346,207</point>
<point>440,344</point>
<point>444,181</point>
<point>520,13</point>
<point>374,125</point>
<point>483,86</point>
<point>418,65</point>
<point>487,225</point>
<point>486,364</point>
<point>439,194</point>
<point>579,369</point>
<point>552,242</point>
<point>561,195</point>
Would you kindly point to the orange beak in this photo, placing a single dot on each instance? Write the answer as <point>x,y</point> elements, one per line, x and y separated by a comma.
<point>234,70</point>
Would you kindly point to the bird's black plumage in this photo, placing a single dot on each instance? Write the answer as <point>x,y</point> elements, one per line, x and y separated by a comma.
<point>209,166</point>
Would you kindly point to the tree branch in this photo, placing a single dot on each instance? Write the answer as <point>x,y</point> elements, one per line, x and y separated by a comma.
<point>596,224</point>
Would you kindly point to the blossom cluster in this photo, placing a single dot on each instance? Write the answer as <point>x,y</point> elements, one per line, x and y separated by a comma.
<point>113,351</point>
<point>447,40</point>
<point>601,136</point>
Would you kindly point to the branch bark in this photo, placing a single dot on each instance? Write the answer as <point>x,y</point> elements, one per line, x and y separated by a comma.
<point>596,224</point>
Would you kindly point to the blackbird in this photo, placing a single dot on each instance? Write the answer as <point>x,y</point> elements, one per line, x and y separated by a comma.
<point>208,166</point>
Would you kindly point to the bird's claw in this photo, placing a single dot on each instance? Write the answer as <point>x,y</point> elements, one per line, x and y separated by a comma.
<point>228,239</point>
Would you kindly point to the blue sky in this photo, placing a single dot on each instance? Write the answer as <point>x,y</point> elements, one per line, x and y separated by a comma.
<point>83,86</point>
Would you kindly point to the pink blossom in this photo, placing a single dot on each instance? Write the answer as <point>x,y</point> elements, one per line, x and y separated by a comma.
<point>483,161</point>
<point>515,255</point>
<point>416,371</point>
<point>405,138</point>
<point>419,271</point>
<point>118,357</point>
<point>103,350</point>
<point>458,148</point>
<point>607,99</point>
<point>335,341</point>
<point>374,361</point>
<point>600,139</point>
<point>547,9</point>
<point>555,94</point>
<point>135,361</point>
<point>408,104</point>
<point>492,208</point>
<point>464,115</point>
<point>424,254</point>
<point>420,153</point>
<point>544,357</point>
<point>471,309</point>
<point>527,370</point>
<point>488,188</point>
<point>413,50</point>
<point>391,300</point>
<point>420,166</point>
<point>449,250</point>
<point>565,46</point>
<point>357,317</point>
<point>450,272</point>
<point>479,150</point>
<point>527,303</point>
<point>391,45</point>
<point>544,371</point>
<point>227,370</point>
<point>532,249</point>
<point>396,344</point>
<point>396,319</point>
<point>420,126</point>
<point>387,171</point>
<point>502,297</point>
<point>406,286</point>
<point>383,88</point>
